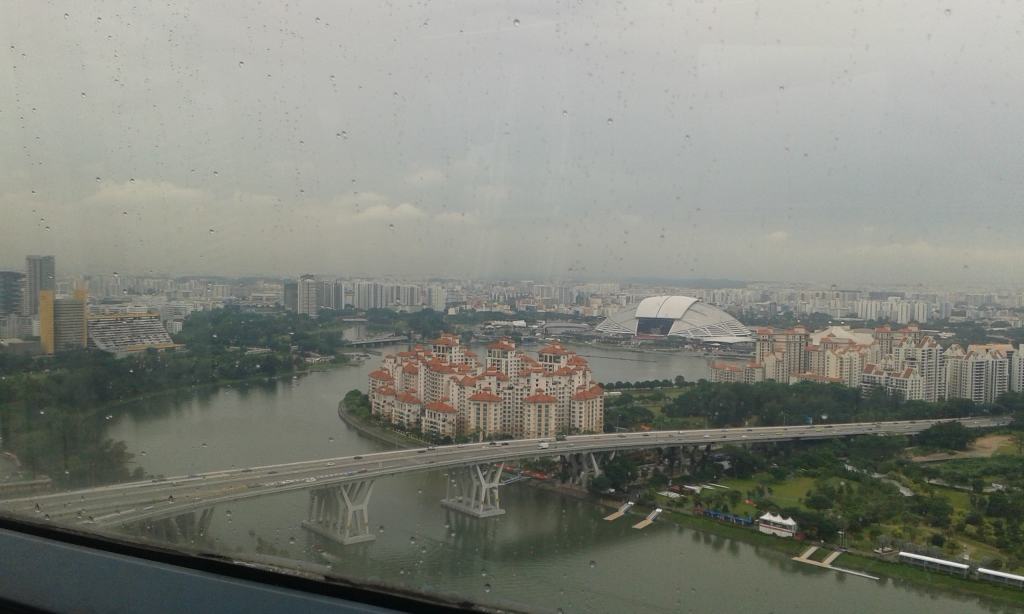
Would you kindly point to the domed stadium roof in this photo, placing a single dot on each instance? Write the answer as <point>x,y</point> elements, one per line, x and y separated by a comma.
<point>676,316</point>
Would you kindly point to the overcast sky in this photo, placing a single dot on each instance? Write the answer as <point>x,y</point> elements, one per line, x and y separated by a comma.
<point>802,140</point>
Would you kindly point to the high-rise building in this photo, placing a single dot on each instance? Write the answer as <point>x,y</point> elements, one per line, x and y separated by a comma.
<point>1017,370</point>
<point>437,298</point>
<point>368,295</point>
<point>290,295</point>
<point>62,322</point>
<point>10,292</point>
<point>307,298</point>
<point>40,274</point>
<point>981,373</point>
<point>925,357</point>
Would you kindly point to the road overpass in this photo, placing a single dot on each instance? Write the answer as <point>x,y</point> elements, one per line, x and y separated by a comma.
<point>340,488</point>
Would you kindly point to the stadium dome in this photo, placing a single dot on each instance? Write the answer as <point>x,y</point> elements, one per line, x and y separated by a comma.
<point>676,316</point>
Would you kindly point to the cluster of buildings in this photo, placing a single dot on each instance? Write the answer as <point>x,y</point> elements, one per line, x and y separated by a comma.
<point>448,391</point>
<point>310,294</point>
<point>904,362</point>
<point>34,305</point>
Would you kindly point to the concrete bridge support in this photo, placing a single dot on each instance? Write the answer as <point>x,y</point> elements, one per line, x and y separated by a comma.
<point>584,466</point>
<point>183,528</point>
<point>473,490</point>
<point>340,513</point>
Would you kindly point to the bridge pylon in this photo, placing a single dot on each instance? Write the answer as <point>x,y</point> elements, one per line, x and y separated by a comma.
<point>340,513</point>
<point>473,490</point>
<point>187,527</point>
<point>583,467</point>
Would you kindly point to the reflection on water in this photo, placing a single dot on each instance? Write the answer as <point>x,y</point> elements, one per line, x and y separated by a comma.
<point>549,552</point>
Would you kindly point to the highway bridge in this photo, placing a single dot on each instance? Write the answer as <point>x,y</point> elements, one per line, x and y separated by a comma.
<point>379,340</point>
<point>340,488</point>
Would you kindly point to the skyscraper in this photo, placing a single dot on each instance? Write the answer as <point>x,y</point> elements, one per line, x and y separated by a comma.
<point>39,275</point>
<point>290,296</point>
<point>62,322</point>
<point>307,299</point>
<point>10,292</point>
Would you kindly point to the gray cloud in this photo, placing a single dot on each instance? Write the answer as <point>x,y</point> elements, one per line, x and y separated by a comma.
<point>747,140</point>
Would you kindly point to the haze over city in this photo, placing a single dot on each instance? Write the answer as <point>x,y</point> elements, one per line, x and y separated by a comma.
<point>700,141</point>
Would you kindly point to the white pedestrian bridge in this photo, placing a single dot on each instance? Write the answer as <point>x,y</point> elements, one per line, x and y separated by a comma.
<point>340,488</point>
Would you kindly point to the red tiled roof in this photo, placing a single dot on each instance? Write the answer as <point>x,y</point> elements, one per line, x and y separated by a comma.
<point>486,396</point>
<point>410,368</point>
<point>540,397</point>
<point>441,406</point>
<point>448,340</point>
<point>440,367</point>
<point>408,397</point>
<point>595,392</point>
<point>387,391</point>
<point>502,344</point>
<point>554,349</point>
<point>381,374</point>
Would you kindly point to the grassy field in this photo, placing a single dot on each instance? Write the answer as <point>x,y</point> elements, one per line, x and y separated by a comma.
<point>921,577</point>
<point>897,571</point>
<point>958,498</point>
<point>788,493</point>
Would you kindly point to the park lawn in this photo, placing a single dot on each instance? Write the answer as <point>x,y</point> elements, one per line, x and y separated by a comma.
<point>1007,449</point>
<point>790,493</point>
<point>787,493</point>
<point>978,550</point>
<point>960,500</point>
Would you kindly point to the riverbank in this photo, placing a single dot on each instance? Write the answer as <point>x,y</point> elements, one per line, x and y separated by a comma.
<point>857,561</point>
<point>225,383</point>
<point>387,436</point>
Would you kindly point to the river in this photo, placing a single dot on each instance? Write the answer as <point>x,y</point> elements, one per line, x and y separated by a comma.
<point>549,552</point>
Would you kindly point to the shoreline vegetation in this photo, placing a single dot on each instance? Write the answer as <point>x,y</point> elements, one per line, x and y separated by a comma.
<point>852,559</point>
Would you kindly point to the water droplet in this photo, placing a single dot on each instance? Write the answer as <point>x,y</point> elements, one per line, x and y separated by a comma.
<point>515,22</point>
<point>142,453</point>
<point>38,509</point>
<point>565,113</point>
<point>483,573</point>
<point>331,439</point>
<point>211,231</point>
<point>423,550</point>
<point>66,15</point>
<point>380,529</point>
<point>83,94</point>
<point>241,63</point>
<point>593,564</point>
<point>948,12</point>
<point>419,491</point>
<point>98,180</point>
<point>782,88</point>
<point>412,540</point>
<point>46,516</point>
<point>170,498</point>
<point>291,540</point>
<point>204,443</point>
